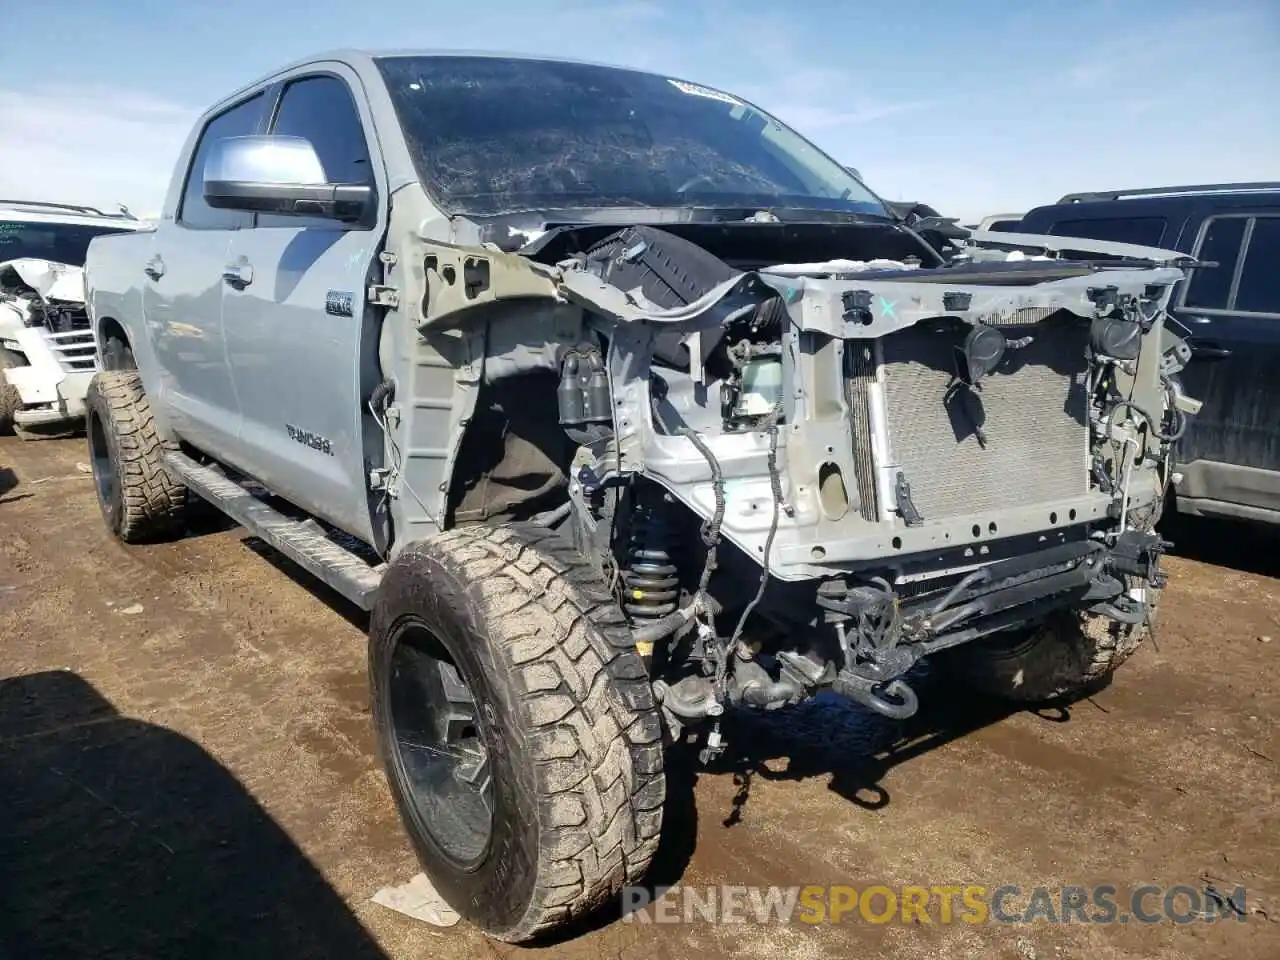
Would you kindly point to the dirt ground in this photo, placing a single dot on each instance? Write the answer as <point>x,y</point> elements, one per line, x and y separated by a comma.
<point>187,769</point>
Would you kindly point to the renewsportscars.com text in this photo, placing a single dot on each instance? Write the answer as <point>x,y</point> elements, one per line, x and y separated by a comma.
<point>944,904</point>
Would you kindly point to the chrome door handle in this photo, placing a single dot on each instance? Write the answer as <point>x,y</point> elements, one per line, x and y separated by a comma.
<point>154,268</point>
<point>238,274</point>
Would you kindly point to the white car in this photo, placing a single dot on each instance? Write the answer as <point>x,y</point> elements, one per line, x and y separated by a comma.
<point>47,348</point>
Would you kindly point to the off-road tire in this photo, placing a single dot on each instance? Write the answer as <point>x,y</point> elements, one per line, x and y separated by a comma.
<point>146,503</point>
<point>573,734</point>
<point>1070,653</point>
<point>10,399</point>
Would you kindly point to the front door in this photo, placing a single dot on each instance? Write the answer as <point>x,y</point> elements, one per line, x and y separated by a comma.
<point>1231,451</point>
<point>302,355</point>
<point>183,284</point>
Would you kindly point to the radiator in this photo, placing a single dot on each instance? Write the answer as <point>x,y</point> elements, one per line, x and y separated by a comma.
<point>1036,418</point>
<point>860,373</point>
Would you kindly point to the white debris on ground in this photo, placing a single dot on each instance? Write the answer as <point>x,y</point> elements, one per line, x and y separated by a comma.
<point>417,899</point>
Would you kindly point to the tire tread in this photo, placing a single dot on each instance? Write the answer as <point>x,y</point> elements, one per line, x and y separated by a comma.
<point>592,725</point>
<point>153,501</point>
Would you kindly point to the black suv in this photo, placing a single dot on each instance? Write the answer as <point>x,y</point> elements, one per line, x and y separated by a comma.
<point>1231,314</point>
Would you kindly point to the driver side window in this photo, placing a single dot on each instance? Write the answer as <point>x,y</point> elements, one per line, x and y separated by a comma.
<point>321,109</point>
<point>238,121</point>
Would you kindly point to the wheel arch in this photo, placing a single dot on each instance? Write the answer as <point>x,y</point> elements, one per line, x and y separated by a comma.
<point>115,349</point>
<point>513,455</point>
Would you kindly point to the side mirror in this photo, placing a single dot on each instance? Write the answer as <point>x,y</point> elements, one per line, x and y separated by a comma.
<point>277,174</point>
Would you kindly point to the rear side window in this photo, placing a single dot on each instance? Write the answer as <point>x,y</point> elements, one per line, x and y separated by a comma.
<point>320,109</point>
<point>1144,231</point>
<point>1259,288</point>
<point>239,121</point>
<point>61,242</point>
<point>1210,287</point>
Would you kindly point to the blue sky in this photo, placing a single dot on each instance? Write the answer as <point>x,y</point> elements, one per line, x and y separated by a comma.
<point>975,107</point>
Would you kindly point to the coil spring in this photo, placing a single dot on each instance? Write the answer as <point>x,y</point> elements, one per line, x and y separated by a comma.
<point>649,577</point>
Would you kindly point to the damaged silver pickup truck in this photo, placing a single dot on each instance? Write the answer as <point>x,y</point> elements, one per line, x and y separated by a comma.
<point>620,405</point>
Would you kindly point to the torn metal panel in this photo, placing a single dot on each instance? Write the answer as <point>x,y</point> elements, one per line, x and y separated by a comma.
<point>857,308</point>
<point>720,305</point>
<point>459,279</point>
<point>869,308</point>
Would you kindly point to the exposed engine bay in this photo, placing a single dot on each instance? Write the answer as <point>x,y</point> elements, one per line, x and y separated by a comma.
<point>46,294</point>
<point>801,473</point>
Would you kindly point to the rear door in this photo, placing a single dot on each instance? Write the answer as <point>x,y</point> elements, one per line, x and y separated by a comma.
<point>302,358</point>
<point>182,280</point>
<point>1232,313</point>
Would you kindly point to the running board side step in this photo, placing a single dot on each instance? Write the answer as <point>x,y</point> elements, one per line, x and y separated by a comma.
<point>302,541</point>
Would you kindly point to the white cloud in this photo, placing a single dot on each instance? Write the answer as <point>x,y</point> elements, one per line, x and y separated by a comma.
<point>635,11</point>
<point>811,118</point>
<point>1091,75</point>
<point>95,145</point>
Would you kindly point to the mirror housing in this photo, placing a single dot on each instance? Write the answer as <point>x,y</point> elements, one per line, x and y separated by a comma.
<point>278,174</point>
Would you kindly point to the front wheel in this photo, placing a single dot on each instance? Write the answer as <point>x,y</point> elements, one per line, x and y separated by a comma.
<point>517,727</point>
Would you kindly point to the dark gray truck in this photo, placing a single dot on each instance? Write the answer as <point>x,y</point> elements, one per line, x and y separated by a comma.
<point>619,404</point>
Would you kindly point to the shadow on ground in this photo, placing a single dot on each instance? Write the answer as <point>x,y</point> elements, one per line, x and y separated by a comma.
<point>8,480</point>
<point>824,737</point>
<point>855,747</point>
<point>1247,547</point>
<point>120,838</point>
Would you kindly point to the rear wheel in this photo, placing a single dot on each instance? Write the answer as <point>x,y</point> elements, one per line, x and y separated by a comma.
<point>140,500</point>
<point>517,727</point>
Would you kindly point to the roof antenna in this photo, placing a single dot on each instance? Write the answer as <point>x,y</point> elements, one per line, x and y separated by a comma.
<point>126,211</point>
